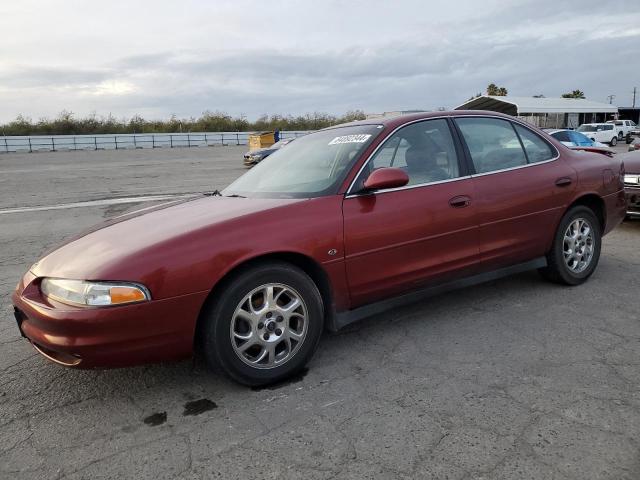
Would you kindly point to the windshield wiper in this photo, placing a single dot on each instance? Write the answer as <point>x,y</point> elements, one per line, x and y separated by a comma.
<point>235,195</point>
<point>215,193</point>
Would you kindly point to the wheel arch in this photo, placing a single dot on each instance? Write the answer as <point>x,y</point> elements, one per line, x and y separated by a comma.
<point>596,204</point>
<point>307,264</point>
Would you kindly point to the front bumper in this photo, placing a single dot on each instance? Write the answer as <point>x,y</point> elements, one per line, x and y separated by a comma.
<point>158,330</point>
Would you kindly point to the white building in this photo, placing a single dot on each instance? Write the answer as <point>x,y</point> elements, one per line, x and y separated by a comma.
<point>545,112</point>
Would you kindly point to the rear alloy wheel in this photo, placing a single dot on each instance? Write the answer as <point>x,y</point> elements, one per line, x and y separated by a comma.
<point>614,141</point>
<point>265,325</point>
<point>576,248</point>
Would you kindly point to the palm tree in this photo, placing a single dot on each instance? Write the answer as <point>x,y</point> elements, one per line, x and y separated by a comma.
<point>574,94</point>
<point>495,91</point>
<point>492,89</point>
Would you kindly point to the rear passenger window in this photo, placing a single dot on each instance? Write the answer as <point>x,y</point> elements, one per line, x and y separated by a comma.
<point>492,142</point>
<point>537,149</point>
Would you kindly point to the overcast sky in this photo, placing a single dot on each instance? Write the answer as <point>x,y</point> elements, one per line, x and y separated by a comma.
<point>158,58</point>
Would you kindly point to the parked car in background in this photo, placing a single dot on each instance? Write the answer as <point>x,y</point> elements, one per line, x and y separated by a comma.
<point>571,138</point>
<point>341,224</point>
<point>623,127</point>
<point>256,156</point>
<point>632,182</point>
<point>635,144</point>
<point>600,132</point>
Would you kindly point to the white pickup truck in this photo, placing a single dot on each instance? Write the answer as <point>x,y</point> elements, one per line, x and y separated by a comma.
<point>623,127</point>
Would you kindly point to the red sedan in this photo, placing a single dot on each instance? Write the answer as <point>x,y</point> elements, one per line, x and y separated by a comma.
<point>343,223</point>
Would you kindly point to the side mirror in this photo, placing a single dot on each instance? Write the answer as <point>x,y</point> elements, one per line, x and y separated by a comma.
<point>386,177</point>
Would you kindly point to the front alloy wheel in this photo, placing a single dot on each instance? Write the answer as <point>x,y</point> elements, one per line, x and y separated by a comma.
<point>269,325</point>
<point>263,324</point>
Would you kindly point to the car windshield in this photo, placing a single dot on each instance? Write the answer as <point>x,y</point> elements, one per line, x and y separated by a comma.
<point>587,128</point>
<point>311,166</point>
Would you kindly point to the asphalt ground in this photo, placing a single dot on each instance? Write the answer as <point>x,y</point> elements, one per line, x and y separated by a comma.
<point>514,379</point>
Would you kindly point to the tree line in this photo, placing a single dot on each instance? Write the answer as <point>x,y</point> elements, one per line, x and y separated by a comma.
<point>66,123</point>
<point>496,91</point>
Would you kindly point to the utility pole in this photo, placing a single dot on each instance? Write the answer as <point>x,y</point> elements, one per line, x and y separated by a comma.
<point>611,97</point>
<point>634,97</point>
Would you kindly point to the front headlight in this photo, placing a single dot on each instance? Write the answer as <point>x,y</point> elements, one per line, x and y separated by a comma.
<point>84,293</point>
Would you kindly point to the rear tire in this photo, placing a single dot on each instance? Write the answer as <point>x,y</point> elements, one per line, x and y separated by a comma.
<point>576,248</point>
<point>614,141</point>
<point>251,336</point>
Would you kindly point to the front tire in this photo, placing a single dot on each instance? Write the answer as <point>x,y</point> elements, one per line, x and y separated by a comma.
<point>265,325</point>
<point>620,136</point>
<point>576,248</point>
<point>614,141</point>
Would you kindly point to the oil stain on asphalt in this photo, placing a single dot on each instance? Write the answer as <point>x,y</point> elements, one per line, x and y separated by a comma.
<point>196,407</point>
<point>156,419</point>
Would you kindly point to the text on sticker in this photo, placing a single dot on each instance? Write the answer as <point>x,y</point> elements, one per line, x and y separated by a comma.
<point>350,139</point>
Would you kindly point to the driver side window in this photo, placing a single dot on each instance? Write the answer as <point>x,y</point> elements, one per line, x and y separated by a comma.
<point>424,150</point>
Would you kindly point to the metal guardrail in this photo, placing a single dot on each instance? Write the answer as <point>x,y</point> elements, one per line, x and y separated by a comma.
<point>54,143</point>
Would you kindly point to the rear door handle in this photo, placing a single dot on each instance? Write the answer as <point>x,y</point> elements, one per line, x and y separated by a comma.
<point>460,201</point>
<point>563,182</point>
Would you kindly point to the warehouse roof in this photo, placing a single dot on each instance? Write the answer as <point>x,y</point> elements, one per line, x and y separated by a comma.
<point>537,105</point>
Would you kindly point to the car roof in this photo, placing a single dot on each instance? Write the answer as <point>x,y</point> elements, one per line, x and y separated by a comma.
<point>396,121</point>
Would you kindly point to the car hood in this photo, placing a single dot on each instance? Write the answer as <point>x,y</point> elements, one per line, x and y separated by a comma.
<point>631,161</point>
<point>141,238</point>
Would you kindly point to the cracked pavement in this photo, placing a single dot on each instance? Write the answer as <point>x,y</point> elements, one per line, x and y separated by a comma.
<point>516,378</point>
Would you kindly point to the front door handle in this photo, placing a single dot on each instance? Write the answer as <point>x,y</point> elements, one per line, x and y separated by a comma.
<point>460,201</point>
<point>563,182</point>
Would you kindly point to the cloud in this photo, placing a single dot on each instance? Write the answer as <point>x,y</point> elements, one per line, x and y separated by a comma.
<point>19,77</point>
<point>404,57</point>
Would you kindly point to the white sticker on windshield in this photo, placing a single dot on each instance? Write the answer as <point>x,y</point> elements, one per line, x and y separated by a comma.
<point>350,139</point>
